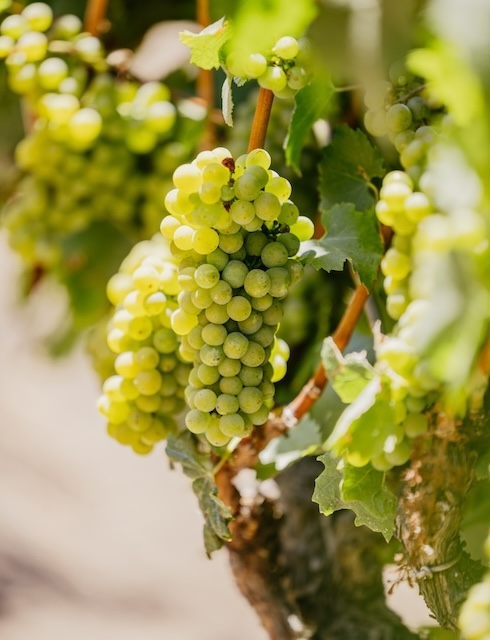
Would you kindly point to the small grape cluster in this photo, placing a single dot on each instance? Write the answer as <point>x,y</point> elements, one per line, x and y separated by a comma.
<point>402,209</point>
<point>235,233</point>
<point>145,393</point>
<point>284,69</point>
<point>393,110</point>
<point>474,616</point>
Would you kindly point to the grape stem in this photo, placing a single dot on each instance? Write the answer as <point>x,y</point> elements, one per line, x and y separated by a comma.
<point>94,16</point>
<point>205,80</point>
<point>412,92</point>
<point>303,402</point>
<point>261,119</point>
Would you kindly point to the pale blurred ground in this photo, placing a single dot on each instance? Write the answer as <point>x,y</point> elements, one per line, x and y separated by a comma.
<point>97,543</point>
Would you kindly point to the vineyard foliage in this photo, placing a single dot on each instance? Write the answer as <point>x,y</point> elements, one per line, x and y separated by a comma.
<point>277,249</point>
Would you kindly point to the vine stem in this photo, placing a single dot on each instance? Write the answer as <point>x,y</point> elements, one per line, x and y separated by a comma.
<point>94,16</point>
<point>205,80</point>
<point>261,119</point>
<point>303,402</point>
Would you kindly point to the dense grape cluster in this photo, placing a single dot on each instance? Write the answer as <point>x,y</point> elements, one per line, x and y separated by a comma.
<point>284,69</point>
<point>474,616</point>
<point>236,235</point>
<point>400,110</point>
<point>145,393</point>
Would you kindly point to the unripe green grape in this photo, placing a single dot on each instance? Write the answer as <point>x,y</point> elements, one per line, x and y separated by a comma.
<point>14,26</point>
<point>273,79</point>
<point>230,367</point>
<point>232,425</point>
<point>215,436</point>
<point>297,78</point>
<point>375,122</point>
<point>255,65</point>
<point>239,308</point>
<point>84,127</point>
<point>221,293</point>
<point>247,187</point>
<point>303,228</point>
<point>398,117</point>
<point>7,44</point>
<point>286,48</point>
<point>197,421</point>
<point>216,313</point>
<point>274,254</point>
<point>267,206</point>
<point>51,73</point>
<point>235,273</point>
<point>161,116</point>
<point>39,16</point>
<point>33,45</point>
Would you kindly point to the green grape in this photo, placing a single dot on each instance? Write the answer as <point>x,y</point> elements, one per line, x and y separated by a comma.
<point>39,16</point>
<point>255,65</point>
<point>239,308</point>
<point>398,118</point>
<point>273,79</point>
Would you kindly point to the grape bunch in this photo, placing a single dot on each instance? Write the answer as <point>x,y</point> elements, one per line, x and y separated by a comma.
<point>400,110</point>
<point>100,151</point>
<point>236,234</point>
<point>284,69</point>
<point>146,391</point>
<point>474,616</point>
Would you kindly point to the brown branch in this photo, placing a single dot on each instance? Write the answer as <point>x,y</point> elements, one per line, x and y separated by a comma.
<point>94,16</point>
<point>261,119</point>
<point>205,81</point>
<point>303,402</point>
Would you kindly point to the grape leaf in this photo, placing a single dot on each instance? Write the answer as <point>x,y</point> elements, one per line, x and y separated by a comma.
<point>310,105</point>
<point>348,165</point>
<point>364,491</point>
<point>349,374</point>
<point>301,440</point>
<point>205,45</point>
<point>351,235</point>
<point>183,449</point>
<point>361,490</point>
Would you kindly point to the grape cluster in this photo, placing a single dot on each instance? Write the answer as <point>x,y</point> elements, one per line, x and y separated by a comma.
<point>146,391</point>
<point>474,616</point>
<point>397,110</point>
<point>235,233</point>
<point>284,69</point>
<point>402,209</point>
<point>100,148</point>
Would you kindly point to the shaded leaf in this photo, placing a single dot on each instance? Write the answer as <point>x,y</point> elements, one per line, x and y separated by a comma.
<point>310,105</point>
<point>216,513</point>
<point>211,541</point>
<point>205,46</point>
<point>301,440</point>
<point>182,449</point>
<point>348,165</point>
<point>351,235</point>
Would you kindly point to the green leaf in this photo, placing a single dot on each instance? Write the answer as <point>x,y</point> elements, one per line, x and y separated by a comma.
<point>205,46</point>
<point>182,449</point>
<point>349,374</point>
<point>310,105</point>
<point>362,424</point>
<point>216,513</point>
<point>301,440</point>
<point>258,25</point>
<point>361,490</point>
<point>364,491</point>
<point>350,235</point>
<point>348,165</point>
